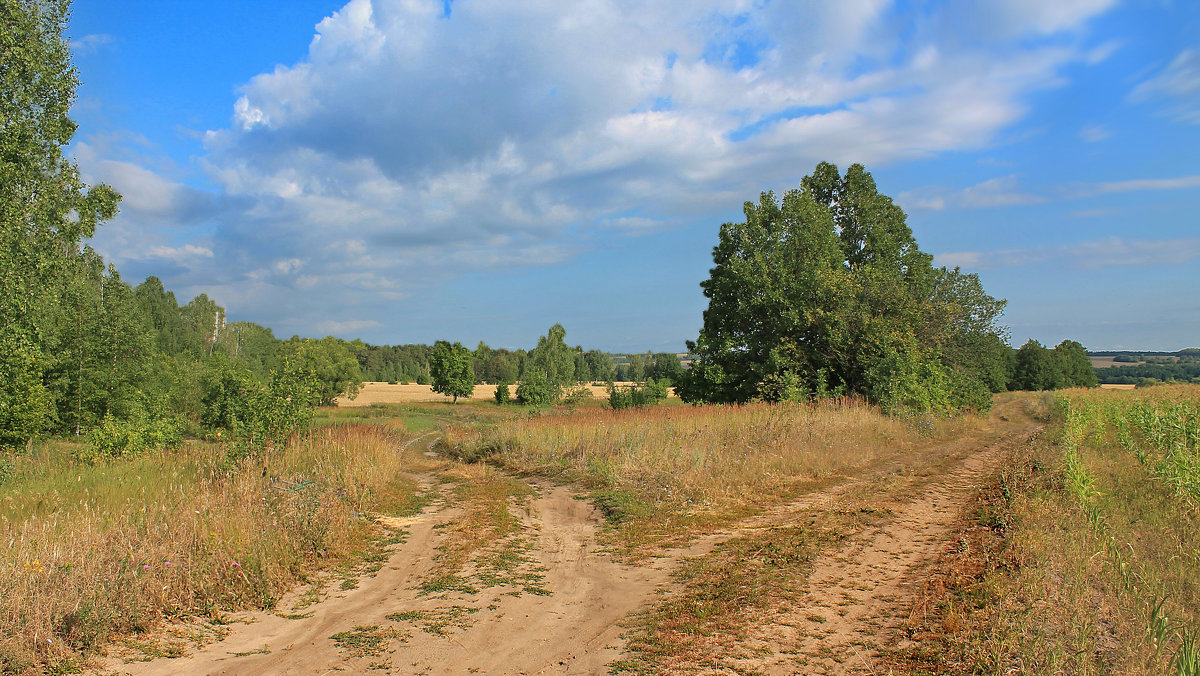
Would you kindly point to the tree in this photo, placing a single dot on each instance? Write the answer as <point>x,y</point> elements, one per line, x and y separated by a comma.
<point>45,208</point>
<point>537,390</point>
<point>329,361</point>
<point>450,370</point>
<point>1076,368</point>
<point>826,292</point>
<point>553,358</point>
<point>1036,368</point>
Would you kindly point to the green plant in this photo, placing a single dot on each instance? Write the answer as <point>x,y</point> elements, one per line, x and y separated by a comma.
<point>502,394</point>
<point>638,395</point>
<point>536,389</point>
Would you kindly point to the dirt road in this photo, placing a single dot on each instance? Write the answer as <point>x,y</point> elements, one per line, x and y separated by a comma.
<point>569,621</point>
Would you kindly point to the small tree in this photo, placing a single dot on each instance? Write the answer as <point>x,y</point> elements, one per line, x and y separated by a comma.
<point>537,390</point>
<point>450,369</point>
<point>503,396</point>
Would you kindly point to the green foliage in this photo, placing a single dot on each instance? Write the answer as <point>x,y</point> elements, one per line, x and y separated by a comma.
<point>1037,368</point>
<point>329,361</point>
<point>450,369</point>
<point>237,402</point>
<point>907,380</point>
<point>552,358</point>
<point>537,390</point>
<point>116,437</point>
<point>827,292</point>
<point>638,395</point>
<point>576,394</point>
<point>24,402</point>
<point>502,395</point>
<point>1075,366</point>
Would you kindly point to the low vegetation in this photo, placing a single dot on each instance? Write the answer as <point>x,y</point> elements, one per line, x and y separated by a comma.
<point>95,551</point>
<point>661,473</point>
<point>1083,554</point>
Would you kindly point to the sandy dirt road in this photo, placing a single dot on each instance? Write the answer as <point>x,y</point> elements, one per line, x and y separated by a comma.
<point>851,603</point>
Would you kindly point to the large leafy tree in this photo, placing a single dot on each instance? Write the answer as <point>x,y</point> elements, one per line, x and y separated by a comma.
<point>1037,368</point>
<point>1076,368</point>
<point>45,208</point>
<point>451,371</point>
<point>826,291</point>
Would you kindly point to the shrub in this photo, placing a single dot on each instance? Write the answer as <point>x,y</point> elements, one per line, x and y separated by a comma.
<point>648,393</point>
<point>536,390</point>
<point>576,394</point>
<point>503,396</point>
<point>117,438</point>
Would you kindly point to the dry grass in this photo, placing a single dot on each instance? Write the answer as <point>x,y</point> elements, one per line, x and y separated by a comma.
<point>1085,550</point>
<point>663,473</point>
<point>95,551</point>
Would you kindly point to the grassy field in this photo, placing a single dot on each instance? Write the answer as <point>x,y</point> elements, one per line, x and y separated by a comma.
<point>1080,555</point>
<point>664,473</point>
<point>94,552</point>
<point>1083,555</point>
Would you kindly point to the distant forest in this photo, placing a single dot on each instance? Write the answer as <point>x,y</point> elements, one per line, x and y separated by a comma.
<point>1140,367</point>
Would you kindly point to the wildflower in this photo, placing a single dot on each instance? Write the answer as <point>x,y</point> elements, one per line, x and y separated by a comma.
<point>167,564</point>
<point>236,564</point>
<point>145,566</point>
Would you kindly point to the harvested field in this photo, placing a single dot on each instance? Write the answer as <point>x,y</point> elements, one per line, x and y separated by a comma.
<point>383,393</point>
<point>1113,386</point>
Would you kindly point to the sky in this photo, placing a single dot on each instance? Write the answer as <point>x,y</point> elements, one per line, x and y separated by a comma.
<point>404,171</point>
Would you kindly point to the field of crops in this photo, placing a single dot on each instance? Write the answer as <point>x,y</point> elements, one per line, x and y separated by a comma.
<point>1100,572</point>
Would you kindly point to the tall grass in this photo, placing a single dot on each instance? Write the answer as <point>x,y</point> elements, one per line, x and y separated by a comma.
<point>659,471</point>
<point>1100,569</point>
<point>94,551</point>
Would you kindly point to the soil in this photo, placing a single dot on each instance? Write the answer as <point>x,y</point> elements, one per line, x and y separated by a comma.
<point>569,622</point>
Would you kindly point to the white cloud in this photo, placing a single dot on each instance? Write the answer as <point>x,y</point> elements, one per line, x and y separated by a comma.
<point>1003,191</point>
<point>408,146</point>
<point>179,253</point>
<point>347,327</point>
<point>1111,252</point>
<point>1177,183</point>
<point>91,43</point>
<point>1179,82</point>
<point>1094,133</point>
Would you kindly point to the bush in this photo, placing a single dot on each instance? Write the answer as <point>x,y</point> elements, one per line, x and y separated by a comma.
<point>536,390</point>
<point>968,391</point>
<point>576,394</point>
<point>503,396</point>
<point>907,380</point>
<point>117,438</point>
<point>248,409</point>
<point>648,393</point>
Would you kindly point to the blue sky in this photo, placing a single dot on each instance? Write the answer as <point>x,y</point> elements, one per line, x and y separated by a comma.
<point>410,170</point>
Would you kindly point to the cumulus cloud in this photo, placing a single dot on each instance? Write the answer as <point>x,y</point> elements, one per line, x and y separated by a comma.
<point>411,143</point>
